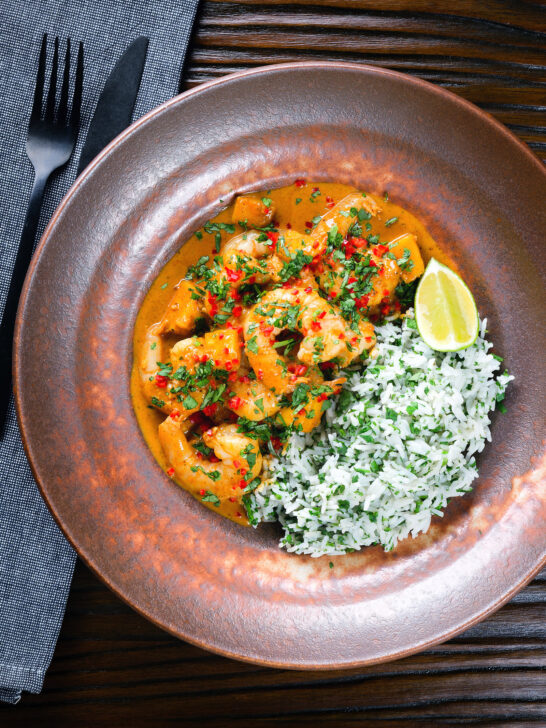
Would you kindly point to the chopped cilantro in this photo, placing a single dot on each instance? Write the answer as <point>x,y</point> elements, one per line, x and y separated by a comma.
<point>252,345</point>
<point>215,227</point>
<point>345,400</point>
<point>200,446</point>
<point>210,497</point>
<point>405,292</point>
<point>295,265</point>
<point>189,402</point>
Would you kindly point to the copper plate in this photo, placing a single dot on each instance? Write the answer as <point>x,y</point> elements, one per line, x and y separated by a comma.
<point>480,192</point>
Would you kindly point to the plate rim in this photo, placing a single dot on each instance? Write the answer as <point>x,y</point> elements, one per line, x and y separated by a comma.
<point>17,374</point>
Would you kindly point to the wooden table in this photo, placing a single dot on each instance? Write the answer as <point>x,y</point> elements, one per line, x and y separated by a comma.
<point>111,667</point>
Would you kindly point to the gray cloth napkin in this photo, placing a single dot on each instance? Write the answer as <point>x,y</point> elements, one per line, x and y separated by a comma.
<point>36,563</point>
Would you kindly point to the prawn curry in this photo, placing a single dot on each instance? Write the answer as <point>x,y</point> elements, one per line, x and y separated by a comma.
<point>242,337</point>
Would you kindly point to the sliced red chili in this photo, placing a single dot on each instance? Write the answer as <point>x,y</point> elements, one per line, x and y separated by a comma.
<point>233,275</point>
<point>210,409</point>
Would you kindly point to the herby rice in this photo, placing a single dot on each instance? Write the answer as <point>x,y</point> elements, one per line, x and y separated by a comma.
<point>399,443</point>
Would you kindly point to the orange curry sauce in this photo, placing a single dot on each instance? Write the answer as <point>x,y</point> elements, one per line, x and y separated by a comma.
<point>297,207</point>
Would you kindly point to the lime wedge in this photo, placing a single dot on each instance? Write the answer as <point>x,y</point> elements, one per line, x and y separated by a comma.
<point>445,310</point>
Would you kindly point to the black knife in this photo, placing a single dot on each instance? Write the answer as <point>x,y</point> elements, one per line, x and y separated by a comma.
<point>116,102</point>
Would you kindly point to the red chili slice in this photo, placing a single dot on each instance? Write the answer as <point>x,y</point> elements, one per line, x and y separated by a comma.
<point>210,409</point>
<point>233,275</point>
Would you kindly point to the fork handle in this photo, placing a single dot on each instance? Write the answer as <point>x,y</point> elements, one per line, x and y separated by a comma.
<point>22,261</point>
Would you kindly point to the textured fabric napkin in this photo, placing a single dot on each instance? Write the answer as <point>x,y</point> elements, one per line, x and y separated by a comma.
<point>36,563</point>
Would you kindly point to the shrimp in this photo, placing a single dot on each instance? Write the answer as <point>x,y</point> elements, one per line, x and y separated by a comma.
<point>407,266</point>
<point>183,310</point>
<point>249,243</point>
<point>222,347</point>
<point>155,384</point>
<point>326,335</point>
<point>237,459</point>
<point>349,210</point>
<point>244,259</point>
<point>250,398</point>
<point>404,262</point>
<point>408,255</point>
<point>253,211</point>
<point>180,386</point>
<point>381,280</point>
<point>260,258</point>
<point>305,411</point>
<point>289,242</point>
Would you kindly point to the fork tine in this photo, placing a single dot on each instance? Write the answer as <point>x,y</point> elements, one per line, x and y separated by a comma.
<point>78,88</point>
<point>40,77</point>
<point>50,104</point>
<point>63,103</point>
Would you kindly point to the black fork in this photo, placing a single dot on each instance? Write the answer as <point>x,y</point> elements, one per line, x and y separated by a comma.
<point>51,140</point>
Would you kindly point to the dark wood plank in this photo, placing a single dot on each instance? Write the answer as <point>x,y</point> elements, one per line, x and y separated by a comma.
<point>491,53</point>
<point>113,668</point>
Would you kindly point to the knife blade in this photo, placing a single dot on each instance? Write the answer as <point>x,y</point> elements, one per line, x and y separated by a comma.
<point>116,102</point>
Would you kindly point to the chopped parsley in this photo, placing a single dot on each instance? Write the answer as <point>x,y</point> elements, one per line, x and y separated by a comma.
<point>210,497</point>
<point>252,345</point>
<point>295,265</point>
<point>216,227</point>
<point>189,402</point>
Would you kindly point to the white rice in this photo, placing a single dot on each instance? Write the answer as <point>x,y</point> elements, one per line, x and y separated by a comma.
<point>391,452</point>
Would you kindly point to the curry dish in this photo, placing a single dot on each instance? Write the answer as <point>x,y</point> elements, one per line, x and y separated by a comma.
<point>241,339</point>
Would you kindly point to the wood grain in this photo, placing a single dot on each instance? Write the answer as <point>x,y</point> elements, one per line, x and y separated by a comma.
<point>113,668</point>
<point>491,53</point>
